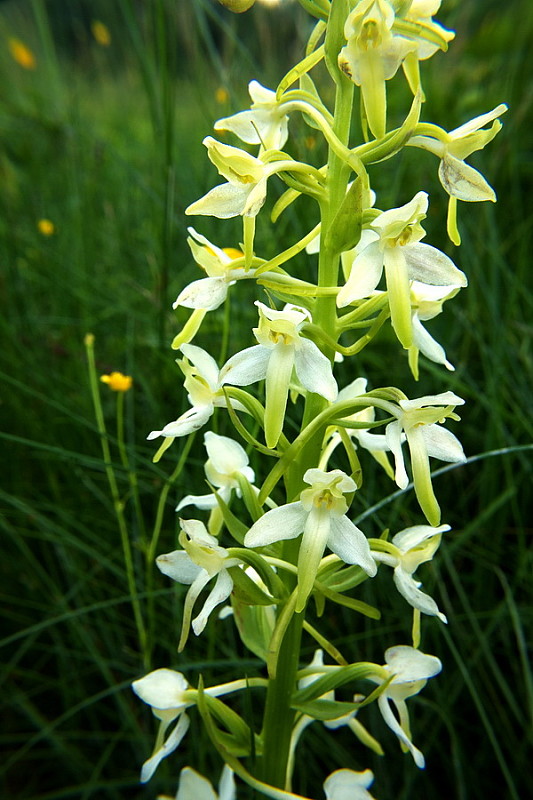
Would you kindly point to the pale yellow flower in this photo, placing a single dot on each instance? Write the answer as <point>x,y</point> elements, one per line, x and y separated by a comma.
<point>221,95</point>
<point>22,54</point>
<point>117,381</point>
<point>101,33</point>
<point>46,227</point>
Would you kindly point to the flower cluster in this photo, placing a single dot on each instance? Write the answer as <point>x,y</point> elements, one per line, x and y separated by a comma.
<point>280,539</point>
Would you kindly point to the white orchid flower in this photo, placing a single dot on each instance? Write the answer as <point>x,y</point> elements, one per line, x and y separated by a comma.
<point>201,560</point>
<point>426,303</point>
<point>393,244</point>
<point>419,419</point>
<point>347,720</point>
<point>281,349</point>
<point>245,191</point>
<point>204,388</point>
<point>347,784</point>
<point>460,180</point>
<point>209,293</point>
<point>372,56</point>
<point>193,786</point>
<point>320,515</point>
<point>165,691</point>
<point>265,123</point>
<point>375,443</point>
<point>227,460</point>
<point>407,550</point>
<point>419,13</point>
<point>411,670</point>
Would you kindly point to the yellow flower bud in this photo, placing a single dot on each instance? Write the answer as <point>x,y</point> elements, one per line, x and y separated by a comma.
<point>237,6</point>
<point>22,54</point>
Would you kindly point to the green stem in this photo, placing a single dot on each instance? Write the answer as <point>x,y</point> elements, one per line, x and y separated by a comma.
<point>279,717</point>
<point>115,496</point>
<point>152,547</point>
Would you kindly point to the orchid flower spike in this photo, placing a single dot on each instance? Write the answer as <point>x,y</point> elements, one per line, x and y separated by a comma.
<point>201,560</point>
<point>410,670</point>
<point>320,515</point>
<point>281,349</point>
<point>393,244</point>
<point>165,691</point>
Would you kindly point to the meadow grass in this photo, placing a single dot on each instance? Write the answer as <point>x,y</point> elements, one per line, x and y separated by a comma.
<point>105,142</point>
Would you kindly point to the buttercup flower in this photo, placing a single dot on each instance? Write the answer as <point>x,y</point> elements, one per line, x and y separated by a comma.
<point>46,227</point>
<point>411,670</point>
<point>407,550</point>
<point>281,349</point>
<point>201,560</point>
<point>425,437</point>
<point>117,382</point>
<point>227,461</point>
<point>320,515</point>
<point>265,123</point>
<point>22,54</point>
<point>165,691</point>
<point>393,243</point>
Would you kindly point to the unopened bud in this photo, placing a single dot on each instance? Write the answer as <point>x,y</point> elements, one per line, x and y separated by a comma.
<point>237,6</point>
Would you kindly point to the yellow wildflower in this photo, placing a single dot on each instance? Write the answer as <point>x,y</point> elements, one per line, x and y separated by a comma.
<point>101,33</point>
<point>46,227</point>
<point>117,381</point>
<point>22,54</point>
<point>221,95</point>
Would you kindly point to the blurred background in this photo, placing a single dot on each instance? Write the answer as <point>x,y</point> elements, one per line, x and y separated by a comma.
<point>103,108</point>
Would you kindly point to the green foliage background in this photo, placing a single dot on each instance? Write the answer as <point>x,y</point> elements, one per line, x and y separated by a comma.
<point>106,143</point>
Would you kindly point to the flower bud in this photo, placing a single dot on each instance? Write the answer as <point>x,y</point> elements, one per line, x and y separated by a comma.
<point>237,6</point>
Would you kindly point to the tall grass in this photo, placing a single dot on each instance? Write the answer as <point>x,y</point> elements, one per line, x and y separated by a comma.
<point>105,142</point>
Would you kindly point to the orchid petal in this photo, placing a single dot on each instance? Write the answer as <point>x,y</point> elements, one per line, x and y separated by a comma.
<point>350,544</point>
<point>285,522</point>
<point>173,741</point>
<point>427,264</point>
<point>179,566</point>
<point>247,366</point>
<point>218,594</point>
<point>365,275</point>
<point>206,293</point>
<point>314,371</point>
